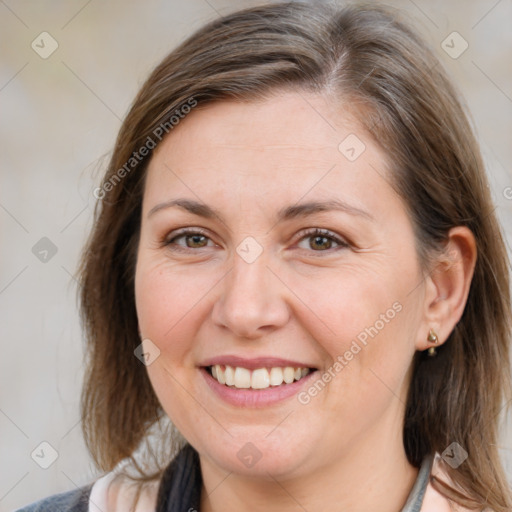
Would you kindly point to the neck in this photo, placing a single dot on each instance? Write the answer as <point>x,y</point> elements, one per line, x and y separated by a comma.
<point>376,476</point>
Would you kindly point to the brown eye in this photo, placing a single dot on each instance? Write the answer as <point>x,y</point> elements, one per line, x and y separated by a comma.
<point>322,240</point>
<point>193,240</point>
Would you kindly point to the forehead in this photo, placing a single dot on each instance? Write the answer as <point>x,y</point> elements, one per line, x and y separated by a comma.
<point>291,144</point>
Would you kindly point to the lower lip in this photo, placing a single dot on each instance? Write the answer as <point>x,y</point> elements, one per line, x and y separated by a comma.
<point>255,397</point>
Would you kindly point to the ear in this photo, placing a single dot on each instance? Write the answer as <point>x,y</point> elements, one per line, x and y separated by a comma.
<point>447,286</point>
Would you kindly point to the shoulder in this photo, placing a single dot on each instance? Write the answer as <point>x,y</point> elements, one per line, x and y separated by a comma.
<point>433,500</point>
<point>118,492</point>
<point>115,492</point>
<point>436,502</point>
<point>76,500</point>
<point>110,493</point>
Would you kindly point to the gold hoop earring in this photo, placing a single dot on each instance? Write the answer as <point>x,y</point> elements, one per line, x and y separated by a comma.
<point>432,338</point>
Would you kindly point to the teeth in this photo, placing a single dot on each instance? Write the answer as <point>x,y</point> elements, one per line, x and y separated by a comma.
<point>289,375</point>
<point>276,376</point>
<point>221,376</point>
<point>229,374</point>
<point>242,378</point>
<point>261,378</point>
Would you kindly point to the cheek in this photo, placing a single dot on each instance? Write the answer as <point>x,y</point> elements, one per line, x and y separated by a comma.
<point>168,311</point>
<point>168,302</point>
<point>364,319</point>
<point>352,303</point>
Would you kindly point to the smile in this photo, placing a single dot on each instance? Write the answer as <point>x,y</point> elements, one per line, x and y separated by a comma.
<point>259,378</point>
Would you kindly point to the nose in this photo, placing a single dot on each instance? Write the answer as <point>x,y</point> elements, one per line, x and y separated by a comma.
<point>252,301</point>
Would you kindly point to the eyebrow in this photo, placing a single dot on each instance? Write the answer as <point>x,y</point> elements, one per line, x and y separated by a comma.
<point>287,213</point>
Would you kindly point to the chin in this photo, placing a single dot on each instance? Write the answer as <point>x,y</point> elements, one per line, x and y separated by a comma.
<point>255,455</point>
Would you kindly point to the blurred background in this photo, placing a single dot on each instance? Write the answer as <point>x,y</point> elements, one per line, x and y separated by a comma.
<point>68,73</point>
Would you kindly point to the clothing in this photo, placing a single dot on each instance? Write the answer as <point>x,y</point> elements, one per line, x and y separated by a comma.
<point>179,490</point>
<point>71,501</point>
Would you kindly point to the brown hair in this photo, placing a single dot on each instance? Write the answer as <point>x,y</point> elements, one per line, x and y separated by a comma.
<point>364,54</point>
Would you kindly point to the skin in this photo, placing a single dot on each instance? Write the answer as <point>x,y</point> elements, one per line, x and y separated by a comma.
<point>300,299</point>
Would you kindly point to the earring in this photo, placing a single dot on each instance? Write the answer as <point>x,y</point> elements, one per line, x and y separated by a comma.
<point>432,338</point>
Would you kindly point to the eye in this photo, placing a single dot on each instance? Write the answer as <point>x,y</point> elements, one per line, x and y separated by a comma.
<point>194,239</point>
<point>321,240</point>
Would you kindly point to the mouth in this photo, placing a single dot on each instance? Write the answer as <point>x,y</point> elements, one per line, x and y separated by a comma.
<point>264,381</point>
<point>238,377</point>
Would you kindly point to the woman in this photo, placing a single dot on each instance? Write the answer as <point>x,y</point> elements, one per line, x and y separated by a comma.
<point>296,260</point>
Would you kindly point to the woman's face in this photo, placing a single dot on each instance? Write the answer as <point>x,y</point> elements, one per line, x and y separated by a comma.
<point>253,288</point>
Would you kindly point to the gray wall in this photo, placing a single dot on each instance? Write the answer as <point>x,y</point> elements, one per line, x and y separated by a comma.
<point>59,118</point>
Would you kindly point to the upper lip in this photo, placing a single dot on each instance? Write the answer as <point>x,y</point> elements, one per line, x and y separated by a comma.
<point>254,363</point>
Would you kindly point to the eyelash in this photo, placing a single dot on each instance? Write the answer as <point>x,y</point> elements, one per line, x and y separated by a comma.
<point>316,232</point>
<point>343,244</point>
